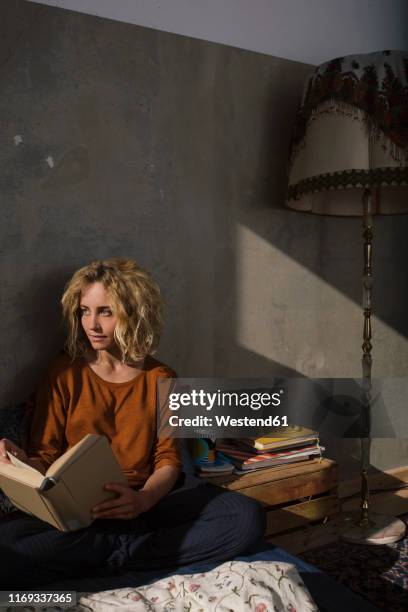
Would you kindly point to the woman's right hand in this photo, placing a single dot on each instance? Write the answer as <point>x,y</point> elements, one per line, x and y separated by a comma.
<point>8,445</point>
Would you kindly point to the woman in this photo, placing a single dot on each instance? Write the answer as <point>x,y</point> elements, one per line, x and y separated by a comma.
<point>106,383</point>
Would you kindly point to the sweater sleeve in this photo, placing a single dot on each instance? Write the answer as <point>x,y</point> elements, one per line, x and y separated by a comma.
<point>167,452</point>
<point>167,449</point>
<point>46,440</point>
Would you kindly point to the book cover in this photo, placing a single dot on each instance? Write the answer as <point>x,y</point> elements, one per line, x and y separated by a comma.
<point>285,445</point>
<point>285,436</point>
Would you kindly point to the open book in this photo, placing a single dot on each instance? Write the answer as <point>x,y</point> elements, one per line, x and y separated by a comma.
<point>71,487</point>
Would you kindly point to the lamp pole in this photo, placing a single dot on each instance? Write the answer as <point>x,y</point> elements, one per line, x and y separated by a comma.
<point>366,359</point>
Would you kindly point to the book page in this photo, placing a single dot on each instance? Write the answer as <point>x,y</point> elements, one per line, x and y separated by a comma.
<point>10,473</point>
<point>20,464</point>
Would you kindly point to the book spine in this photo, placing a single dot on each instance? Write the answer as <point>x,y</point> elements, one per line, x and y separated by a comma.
<point>54,518</point>
<point>63,508</point>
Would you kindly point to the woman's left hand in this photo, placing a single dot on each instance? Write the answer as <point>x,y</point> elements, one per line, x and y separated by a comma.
<point>129,504</point>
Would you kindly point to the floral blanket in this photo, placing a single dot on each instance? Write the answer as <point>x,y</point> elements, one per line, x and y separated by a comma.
<point>261,586</point>
<point>234,586</point>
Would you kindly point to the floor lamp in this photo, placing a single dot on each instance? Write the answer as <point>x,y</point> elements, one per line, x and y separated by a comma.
<point>349,156</point>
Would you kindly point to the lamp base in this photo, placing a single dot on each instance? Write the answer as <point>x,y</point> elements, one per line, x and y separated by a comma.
<point>383,529</point>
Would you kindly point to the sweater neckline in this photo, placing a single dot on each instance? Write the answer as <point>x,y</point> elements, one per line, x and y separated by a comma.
<point>110,382</point>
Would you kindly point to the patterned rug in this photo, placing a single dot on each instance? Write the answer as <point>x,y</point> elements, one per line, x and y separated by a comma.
<point>377,573</point>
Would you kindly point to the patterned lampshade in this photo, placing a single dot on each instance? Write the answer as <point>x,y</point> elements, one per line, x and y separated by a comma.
<point>351,132</point>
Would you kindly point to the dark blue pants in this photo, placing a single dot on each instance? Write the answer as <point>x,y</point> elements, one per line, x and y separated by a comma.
<point>195,522</point>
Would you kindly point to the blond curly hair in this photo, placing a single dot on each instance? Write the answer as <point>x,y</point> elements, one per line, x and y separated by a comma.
<point>136,301</point>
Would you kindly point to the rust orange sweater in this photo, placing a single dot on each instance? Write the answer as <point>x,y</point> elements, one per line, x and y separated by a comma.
<point>73,401</point>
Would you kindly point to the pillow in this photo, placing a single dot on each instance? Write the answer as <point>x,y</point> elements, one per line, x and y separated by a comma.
<point>11,426</point>
<point>11,420</point>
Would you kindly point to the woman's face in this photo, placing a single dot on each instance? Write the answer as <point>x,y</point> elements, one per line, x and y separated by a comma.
<point>97,318</point>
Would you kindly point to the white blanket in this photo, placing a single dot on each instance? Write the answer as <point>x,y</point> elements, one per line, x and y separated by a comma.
<point>260,586</point>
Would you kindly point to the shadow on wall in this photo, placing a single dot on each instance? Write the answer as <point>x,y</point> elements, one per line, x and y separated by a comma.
<point>302,272</point>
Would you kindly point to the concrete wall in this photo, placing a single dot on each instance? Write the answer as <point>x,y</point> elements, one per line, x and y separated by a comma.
<point>124,141</point>
<point>310,31</point>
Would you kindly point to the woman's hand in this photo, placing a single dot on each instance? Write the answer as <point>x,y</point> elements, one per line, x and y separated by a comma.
<point>128,505</point>
<point>131,503</point>
<point>8,445</point>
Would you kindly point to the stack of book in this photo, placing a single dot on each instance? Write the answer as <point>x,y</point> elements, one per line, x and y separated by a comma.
<point>291,445</point>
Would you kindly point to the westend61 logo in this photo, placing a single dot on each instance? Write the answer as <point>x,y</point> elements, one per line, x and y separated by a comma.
<point>208,400</point>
